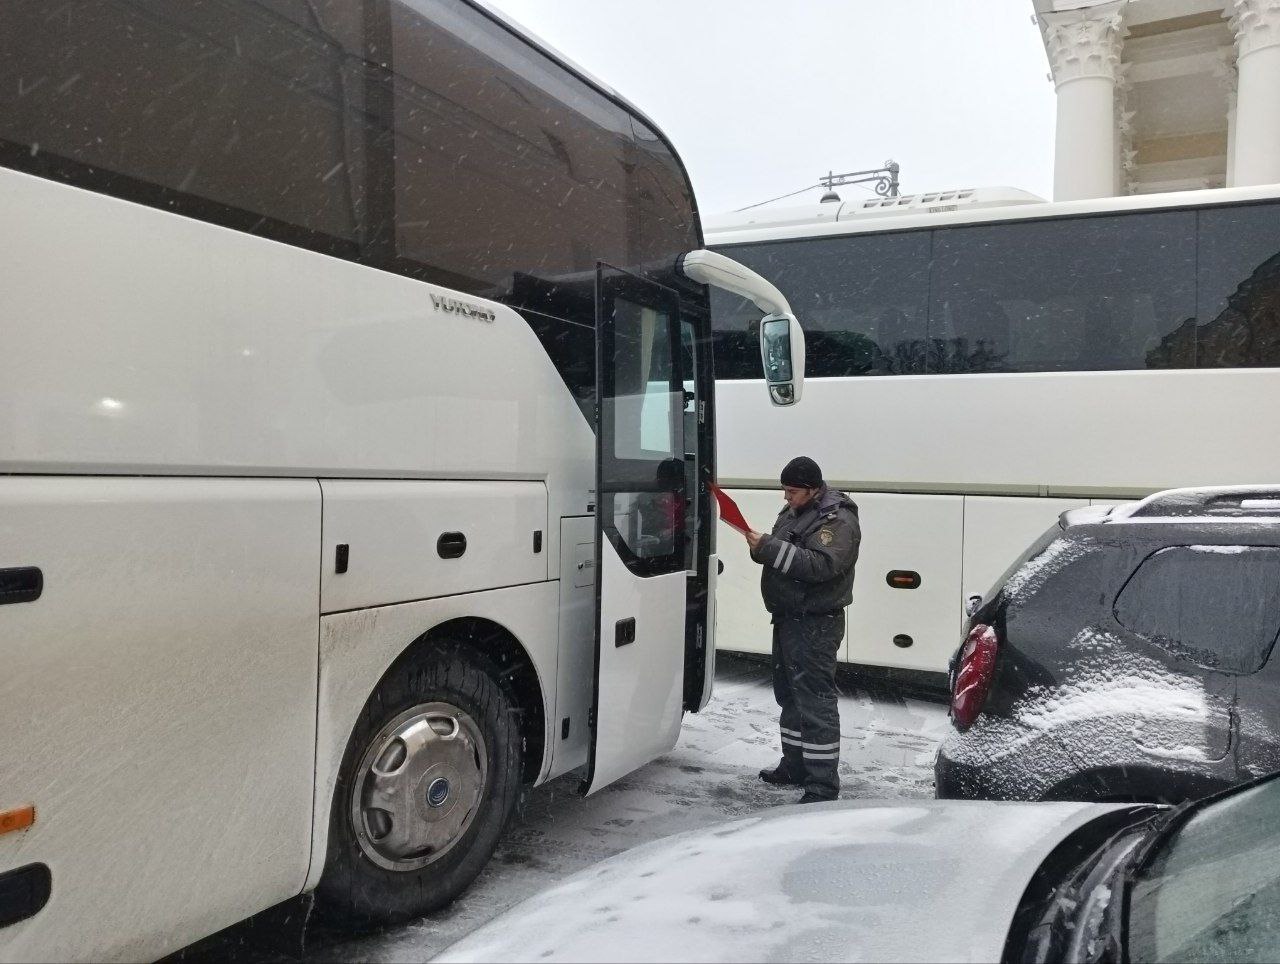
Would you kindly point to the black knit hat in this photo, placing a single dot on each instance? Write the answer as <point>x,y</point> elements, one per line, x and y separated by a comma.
<point>802,472</point>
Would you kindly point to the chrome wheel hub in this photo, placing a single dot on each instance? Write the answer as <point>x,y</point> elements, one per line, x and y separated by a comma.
<point>419,785</point>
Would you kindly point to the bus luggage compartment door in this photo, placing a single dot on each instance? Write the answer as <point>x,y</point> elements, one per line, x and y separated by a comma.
<point>642,542</point>
<point>158,706</point>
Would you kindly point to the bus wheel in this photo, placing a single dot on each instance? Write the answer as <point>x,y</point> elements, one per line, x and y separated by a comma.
<point>428,783</point>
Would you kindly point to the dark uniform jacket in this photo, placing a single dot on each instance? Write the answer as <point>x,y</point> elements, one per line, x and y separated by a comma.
<point>809,558</point>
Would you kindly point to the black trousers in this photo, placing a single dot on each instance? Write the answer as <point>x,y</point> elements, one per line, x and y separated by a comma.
<point>804,684</point>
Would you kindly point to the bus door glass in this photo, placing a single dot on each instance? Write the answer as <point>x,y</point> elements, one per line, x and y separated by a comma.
<point>642,540</point>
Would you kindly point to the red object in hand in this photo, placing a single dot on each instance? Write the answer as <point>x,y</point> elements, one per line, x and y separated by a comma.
<point>729,511</point>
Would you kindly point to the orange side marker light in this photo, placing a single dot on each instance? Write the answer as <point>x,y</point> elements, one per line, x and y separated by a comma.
<point>19,819</point>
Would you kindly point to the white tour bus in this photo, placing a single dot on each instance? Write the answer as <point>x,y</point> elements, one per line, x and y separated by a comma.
<point>978,362</point>
<point>310,554</point>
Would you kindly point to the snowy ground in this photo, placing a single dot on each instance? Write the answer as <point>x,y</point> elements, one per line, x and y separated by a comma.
<point>887,748</point>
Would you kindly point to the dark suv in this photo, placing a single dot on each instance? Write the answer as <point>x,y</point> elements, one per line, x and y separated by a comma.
<point>1126,656</point>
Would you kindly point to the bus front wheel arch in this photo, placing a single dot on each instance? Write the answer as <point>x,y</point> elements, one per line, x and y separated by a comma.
<point>499,650</point>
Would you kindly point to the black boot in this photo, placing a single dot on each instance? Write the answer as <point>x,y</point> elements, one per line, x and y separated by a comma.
<point>780,776</point>
<point>811,797</point>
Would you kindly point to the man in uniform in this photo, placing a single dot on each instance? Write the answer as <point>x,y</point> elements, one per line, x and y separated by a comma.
<point>807,581</point>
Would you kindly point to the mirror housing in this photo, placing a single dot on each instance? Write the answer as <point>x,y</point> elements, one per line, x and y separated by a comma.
<point>782,355</point>
<point>711,268</point>
<point>781,337</point>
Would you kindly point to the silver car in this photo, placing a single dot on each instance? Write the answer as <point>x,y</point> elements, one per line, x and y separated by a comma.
<point>925,881</point>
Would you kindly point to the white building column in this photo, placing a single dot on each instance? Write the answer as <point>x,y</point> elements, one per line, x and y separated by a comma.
<point>1084,54</point>
<point>1228,79</point>
<point>1125,153</point>
<point>1230,180</point>
<point>1257,122</point>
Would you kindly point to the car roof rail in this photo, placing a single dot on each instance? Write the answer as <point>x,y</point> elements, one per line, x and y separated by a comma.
<point>1084,515</point>
<point>1224,500</point>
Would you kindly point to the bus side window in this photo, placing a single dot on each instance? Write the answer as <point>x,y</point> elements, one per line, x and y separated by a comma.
<point>1071,294</point>
<point>864,301</point>
<point>232,113</point>
<point>1238,274</point>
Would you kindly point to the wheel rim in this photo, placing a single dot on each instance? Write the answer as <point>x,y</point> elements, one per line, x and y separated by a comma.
<point>419,785</point>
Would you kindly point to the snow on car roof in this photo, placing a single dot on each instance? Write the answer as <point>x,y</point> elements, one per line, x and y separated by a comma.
<point>1224,519</point>
<point>1229,504</point>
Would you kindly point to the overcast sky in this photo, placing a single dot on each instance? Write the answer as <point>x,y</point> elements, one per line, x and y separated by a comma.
<point>760,97</point>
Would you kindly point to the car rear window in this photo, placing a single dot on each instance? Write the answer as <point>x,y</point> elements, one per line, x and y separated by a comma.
<point>1217,606</point>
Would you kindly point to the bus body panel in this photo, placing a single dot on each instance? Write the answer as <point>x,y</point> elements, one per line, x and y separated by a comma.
<point>742,623</point>
<point>177,351</point>
<point>1016,449</point>
<point>917,533</point>
<point>1065,434</point>
<point>158,705</point>
<point>891,626</point>
<point>575,685</point>
<point>401,537</point>
<point>357,647</point>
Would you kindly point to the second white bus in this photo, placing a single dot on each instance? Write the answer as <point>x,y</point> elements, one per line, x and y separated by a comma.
<point>978,363</point>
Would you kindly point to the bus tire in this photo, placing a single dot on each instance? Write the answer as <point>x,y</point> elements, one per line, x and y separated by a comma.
<point>428,782</point>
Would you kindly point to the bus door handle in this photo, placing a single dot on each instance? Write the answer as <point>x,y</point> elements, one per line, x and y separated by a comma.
<point>20,585</point>
<point>624,633</point>
<point>451,545</point>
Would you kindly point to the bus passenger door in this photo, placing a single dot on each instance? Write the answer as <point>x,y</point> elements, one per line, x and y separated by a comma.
<point>642,543</point>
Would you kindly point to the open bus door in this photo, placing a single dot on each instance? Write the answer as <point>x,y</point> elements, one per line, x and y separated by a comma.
<point>642,542</point>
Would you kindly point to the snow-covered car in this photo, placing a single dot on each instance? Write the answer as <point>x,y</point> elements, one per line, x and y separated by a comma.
<point>925,881</point>
<point>1127,656</point>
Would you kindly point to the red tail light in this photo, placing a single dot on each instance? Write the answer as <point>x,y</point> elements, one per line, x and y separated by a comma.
<point>974,673</point>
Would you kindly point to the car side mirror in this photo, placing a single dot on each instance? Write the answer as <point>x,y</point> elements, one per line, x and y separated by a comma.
<point>972,605</point>
<point>782,353</point>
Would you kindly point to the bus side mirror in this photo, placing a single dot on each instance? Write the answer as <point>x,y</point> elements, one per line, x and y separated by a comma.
<point>782,352</point>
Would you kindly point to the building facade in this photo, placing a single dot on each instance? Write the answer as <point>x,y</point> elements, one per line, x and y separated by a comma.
<point>1163,95</point>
